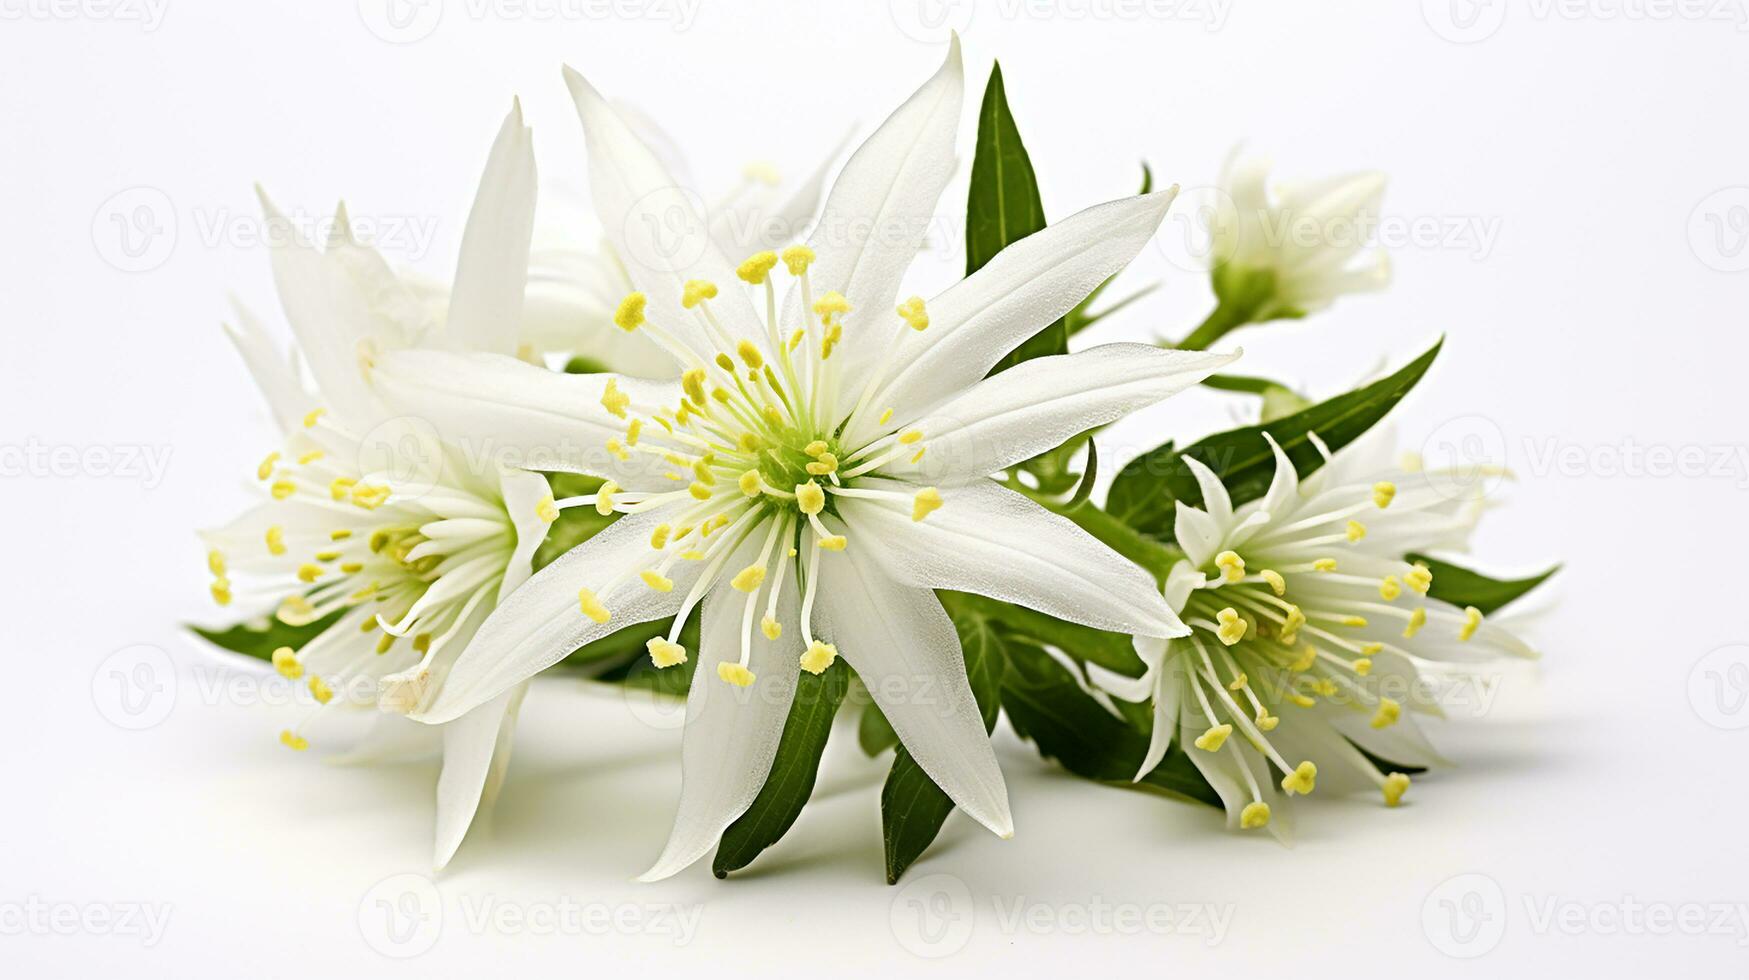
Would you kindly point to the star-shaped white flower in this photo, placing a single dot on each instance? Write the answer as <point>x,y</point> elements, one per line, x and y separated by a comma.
<point>821,467</point>
<point>371,519</point>
<point>1309,628</point>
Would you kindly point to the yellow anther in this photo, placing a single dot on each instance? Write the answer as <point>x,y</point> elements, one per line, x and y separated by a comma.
<point>665,654</point>
<point>926,502</point>
<point>215,562</point>
<point>1362,666</point>
<point>285,660</point>
<point>1214,738</point>
<point>1417,619</point>
<point>911,438</point>
<point>818,657</point>
<point>1276,582</point>
<point>296,611</point>
<point>1300,699</point>
<point>1255,815</point>
<point>339,534</point>
<point>702,470</point>
<point>1238,683</point>
<point>885,417</point>
<point>735,674</point>
<point>1231,628</point>
<point>1396,784</point>
<point>656,580</point>
<point>1308,657</point>
<point>756,268</point>
<point>795,339</point>
<point>1383,493</point>
<point>1388,713</point>
<point>629,315</point>
<point>1266,722</point>
<point>810,499</point>
<point>370,497</point>
<point>773,416</point>
<point>604,498</point>
<point>1356,530</point>
<point>692,555</point>
<point>830,342</point>
<point>771,628</point>
<point>313,416</point>
<point>1302,780</point>
<point>328,556</point>
<point>633,430</point>
<point>750,354</point>
<point>697,291</point>
<point>726,362</point>
<point>797,258</point>
<point>919,453</point>
<point>1231,565</point>
<point>310,457</point>
<point>659,537</point>
<point>282,489</point>
<point>341,488</point>
<point>833,542</point>
<point>827,463</point>
<point>913,313</point>
<point>1357,622</point>
<point>320,690</point>
<point>1390,588</point>
<point>1324,565</point>
<point>831,304</point>
<point>1371,649</point>
<point>387,641</point>
<point>548,509</point>
<point>295,742</point>
<point>749,578</point>
<point>265,470</point>
<point>699,491</point>
<point>693,383</point>
<point>1419,579</point>
<point>308,572</point>
<point>1291,623</point>
<point>721,394</point>
<point>352,567</point>
<point>1472,622</point>
<point>618,450</point>
<point>816,447</point>
<point>750,483</point>
<point>1324,688</point>
<point>592,606</point>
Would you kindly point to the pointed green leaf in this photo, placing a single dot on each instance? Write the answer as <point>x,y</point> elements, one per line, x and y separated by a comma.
<point>873,732</point>
<point>1462,587</point>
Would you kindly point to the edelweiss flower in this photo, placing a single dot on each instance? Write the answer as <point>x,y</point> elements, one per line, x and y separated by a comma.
<point>1293,253</point>
<point>816,472</point>
<point>371,520</point>
<point>1308,629</point>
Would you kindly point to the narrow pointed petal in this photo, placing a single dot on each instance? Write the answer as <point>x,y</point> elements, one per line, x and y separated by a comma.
<point>992,541</point>
<point>274,371</point>
<point>523,494</point>
<point>656,226</point>
<point>1029,284</point>
<point>476,752</point>
<point>485,309</point>
<point>541,623</point>
<point>901,643</point>
<point>1039,404</point>
<point>731,732</point>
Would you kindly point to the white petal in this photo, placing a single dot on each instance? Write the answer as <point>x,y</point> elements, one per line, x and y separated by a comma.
<point>523,493</point>
<point>476,752</point>
<point>1039,404</point>
<point>901,643</point>
<point>275,373</point>
<point>540,623</point>
<point>1197,533</point>
<point>1025,287</point>
<point>499,410</point>
<point>656,226</point>
<point>1215,500</point>
<point>572,293</point>
<point>1168,694</point>
<point>731,732</point>
<point>994,542</point>
<point>763,221</point>
<point>485,309</point>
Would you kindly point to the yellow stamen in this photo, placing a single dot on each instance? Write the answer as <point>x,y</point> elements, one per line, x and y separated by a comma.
<point>265,470</point>
<point>749,578</point>
<point>756,268</point>
<point>1472,622</point>
<point>341,488</point>
<point>797,258</point>
<point>548,509</point>
<point>297,743</point>
<point>1363,666</point>
<point>1383,493</point>
<point>1417,619</point>
<point>592,606</point>
<point>282,489</point>
<point>604,498</point>
<point>911,437</point>
<point>664,653</point>
<point>629,315</point>
<point>312,416</point>
<point>699,491</point>
<point>1356,530</point>
<point>659,537</point>
<point>1231,565</point>
<point>296,611</point>
<point>1419,579</point>
<point>735,674</point>
<point>308,572</point>
<point>614,400</point>
<point>833,542</point>
<point>1214,738</point>
<point>697,291</point>
<point>656,580</point>
<point>750,483</point>
<point>926,502</point>
<point>1390,588</point>
<point>1231,628</point>
<point>816,447</point>
<point>771,628</point>
<point>1276,582</point>
<point>320,690</point>
<point>750,354</point>
<point>913,313</point>
<point>1238,683</point>
<point>310,457</point>
<point>1396,784</point>
<point>831,304</point>
<point>285,660</point>
<point>1324,565</point>
<point>810,499</point>
<point>1388,713</point>
<point>1302,780</point>
<point>818,657</point>
<point>827,463</point>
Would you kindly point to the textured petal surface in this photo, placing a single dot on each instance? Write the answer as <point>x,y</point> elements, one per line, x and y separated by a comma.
<point>476,752</point>
<point>485,308</point>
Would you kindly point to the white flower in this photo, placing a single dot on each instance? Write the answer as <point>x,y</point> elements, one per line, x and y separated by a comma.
<point>1309,631</point>
<point>819,470</point>
<point>371,519</point>
<point>1293,252</point>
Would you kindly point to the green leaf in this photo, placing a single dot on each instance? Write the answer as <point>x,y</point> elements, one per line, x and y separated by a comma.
<point>1279,401</point>
<point>260,639</point>
<point>1462,587</point>
<point>1003,206</point>
<point>791,781</point>
<point>575,524</point>
<point>874,732</point>
<point>1145,491</point>
<point>913,808</point>
<point>1046,705</point>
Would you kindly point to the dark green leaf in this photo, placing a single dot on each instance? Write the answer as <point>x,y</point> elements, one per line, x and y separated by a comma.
<point>1144,493</point>
<point>1279,401</point>
<point>874,733</point>
<point>913,808</point>
<point>1462,587</point>
<point>259,640</point>
<point>791,781</point>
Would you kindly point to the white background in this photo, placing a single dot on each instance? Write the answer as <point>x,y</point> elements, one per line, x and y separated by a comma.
<point>1591,159</point>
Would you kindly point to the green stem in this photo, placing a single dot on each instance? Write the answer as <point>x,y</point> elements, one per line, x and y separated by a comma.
<point>1225,318</point>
